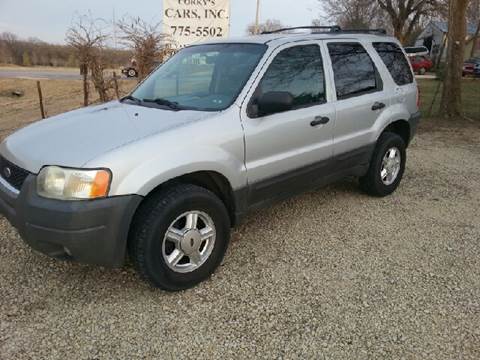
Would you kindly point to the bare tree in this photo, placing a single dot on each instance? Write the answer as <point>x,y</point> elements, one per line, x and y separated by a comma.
<point>405,15</point>
<point>474,17</point>
<point>475,38</point>
<point>43,53</point>
<point>473,11</point>
<point>13,47</point>
<point>354,14</point>
<point>87,38</point>
<point>451,104</point>
<point>149,45</point>
<point>268,25</point>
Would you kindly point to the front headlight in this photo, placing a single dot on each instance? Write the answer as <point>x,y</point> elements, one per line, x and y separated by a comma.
<point>73,184</point>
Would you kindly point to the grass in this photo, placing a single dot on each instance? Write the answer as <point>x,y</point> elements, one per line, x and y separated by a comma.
<point>470,97</point>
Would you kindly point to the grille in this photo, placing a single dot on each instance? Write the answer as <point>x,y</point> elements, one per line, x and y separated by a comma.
<point>12,174</point>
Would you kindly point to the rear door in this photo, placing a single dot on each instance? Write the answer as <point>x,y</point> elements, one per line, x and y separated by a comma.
<point>360,98</point>
<point>285,151</point>
<point>404,91</point>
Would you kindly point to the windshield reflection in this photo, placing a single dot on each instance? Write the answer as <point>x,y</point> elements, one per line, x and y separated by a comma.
<point>202,77</point>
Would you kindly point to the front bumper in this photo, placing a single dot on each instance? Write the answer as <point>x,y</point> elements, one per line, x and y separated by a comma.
<point>88,231</point>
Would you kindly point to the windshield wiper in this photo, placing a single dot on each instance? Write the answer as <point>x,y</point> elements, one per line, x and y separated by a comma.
<point>164,102</point>
<point>132,98</point>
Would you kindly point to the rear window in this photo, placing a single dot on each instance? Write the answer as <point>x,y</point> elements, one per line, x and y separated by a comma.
<point>354,71</point>
<point>395,61</point>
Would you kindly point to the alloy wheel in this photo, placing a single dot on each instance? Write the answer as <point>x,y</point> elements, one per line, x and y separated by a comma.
<point>391,165</point>
<point>189,241</point>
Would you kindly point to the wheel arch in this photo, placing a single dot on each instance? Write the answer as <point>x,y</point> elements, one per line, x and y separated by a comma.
<point>401,128</point>
<point>210,180</point>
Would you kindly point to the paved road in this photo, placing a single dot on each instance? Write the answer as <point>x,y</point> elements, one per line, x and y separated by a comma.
<point>56,74</point>
<point>40,74</point>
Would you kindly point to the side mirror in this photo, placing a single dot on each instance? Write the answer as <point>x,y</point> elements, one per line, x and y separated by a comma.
<point>274,102</point>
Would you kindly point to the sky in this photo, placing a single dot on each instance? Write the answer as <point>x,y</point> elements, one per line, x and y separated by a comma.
<point>48,20</point>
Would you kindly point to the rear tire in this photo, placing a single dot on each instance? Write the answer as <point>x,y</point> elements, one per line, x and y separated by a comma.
<point>166,249</point>
<point>386,167</point>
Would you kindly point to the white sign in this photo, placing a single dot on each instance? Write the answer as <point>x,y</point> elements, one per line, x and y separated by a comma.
<point>191,21</point>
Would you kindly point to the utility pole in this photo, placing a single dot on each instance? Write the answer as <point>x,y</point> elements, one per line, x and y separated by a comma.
<point>257,18</point>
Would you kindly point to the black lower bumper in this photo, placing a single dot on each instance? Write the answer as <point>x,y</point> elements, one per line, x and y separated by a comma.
<point>89,231</point>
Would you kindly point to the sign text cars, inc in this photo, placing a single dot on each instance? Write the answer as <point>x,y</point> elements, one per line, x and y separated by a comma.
<point>191,21</point>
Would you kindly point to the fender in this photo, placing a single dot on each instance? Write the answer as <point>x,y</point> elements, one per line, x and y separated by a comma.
<point>141,166</point>
<point>393,113</point>
<point>147,175</point>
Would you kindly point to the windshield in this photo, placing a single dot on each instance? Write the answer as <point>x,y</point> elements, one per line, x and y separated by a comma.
<point>203,77</point>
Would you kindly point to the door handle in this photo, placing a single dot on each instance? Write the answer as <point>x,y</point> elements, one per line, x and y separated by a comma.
<point>320,120</point>
<point>378,106</point>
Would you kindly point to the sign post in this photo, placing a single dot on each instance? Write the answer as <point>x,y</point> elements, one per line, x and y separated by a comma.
<point>192,21</point>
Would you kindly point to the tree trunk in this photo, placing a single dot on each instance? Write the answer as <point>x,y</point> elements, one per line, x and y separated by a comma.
<point>451,105</point>
<point>398,33</point>
<point>398,26</point>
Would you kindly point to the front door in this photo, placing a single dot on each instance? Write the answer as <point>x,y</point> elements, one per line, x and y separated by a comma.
<point>287,150</point>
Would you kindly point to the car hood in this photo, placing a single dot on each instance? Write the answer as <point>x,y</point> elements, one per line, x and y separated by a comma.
<point>74,138</point>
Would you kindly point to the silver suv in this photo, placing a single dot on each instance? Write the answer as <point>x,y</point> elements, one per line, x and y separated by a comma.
<point>221,128</point>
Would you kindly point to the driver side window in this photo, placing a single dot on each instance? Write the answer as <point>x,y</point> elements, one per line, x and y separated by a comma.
<point>298,71</point>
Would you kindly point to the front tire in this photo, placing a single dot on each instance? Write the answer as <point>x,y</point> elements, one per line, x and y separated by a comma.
<point>386,167</point>
<point>179,237</point>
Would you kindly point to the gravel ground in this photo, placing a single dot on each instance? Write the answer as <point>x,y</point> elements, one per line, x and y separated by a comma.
<point>331,274</point>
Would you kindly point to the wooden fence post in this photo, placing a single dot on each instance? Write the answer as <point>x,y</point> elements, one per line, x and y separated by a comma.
<point>115,83</point>
<point>84,73</point>
<point>40,98</point>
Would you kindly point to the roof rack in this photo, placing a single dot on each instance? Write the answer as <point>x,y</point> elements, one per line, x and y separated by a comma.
<point>331,29</point>
<point>365,31</point>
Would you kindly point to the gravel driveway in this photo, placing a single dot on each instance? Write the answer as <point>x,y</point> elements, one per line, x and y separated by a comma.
<point>332,274</point>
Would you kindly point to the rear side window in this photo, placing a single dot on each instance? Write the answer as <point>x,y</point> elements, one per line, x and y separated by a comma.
<point>354,71</point>
<point>299,71</point>
<point>396,62</point>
